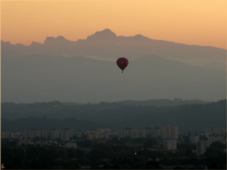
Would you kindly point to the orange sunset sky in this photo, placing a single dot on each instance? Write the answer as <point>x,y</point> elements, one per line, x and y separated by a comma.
<point>200,22</point>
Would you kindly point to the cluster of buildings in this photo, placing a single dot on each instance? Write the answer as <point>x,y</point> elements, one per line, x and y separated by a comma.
<point>168,136</point>
<point>203,140</point>
<point>60,137</point>
<point>55,134</point>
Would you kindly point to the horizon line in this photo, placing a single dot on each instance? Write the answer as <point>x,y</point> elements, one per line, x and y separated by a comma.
<point>117,36</point>
<point>198,101</point>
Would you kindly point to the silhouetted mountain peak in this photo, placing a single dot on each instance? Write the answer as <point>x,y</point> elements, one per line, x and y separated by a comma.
<point>58,39</point>
<point>105,34</point>
<point>140,37</point>
<point>34,43</point>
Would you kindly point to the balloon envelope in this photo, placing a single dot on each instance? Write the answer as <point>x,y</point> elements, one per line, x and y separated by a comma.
<point>122,63</point>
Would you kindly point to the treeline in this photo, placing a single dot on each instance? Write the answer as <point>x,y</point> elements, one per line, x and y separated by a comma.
<point>113,115</point>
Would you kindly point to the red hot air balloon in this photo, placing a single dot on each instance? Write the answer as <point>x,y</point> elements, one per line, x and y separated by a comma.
<point>122,63</point>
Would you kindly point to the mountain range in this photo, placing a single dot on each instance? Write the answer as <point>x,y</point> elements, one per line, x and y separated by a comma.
<point>85,70</point>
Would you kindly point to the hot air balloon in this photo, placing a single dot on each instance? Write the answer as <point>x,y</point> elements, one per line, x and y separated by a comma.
<point>122,63</point>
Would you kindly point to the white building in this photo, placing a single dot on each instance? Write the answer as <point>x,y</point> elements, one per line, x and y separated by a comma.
<point>169,135</point>
<point>202,145</point>
<point>169,132</point>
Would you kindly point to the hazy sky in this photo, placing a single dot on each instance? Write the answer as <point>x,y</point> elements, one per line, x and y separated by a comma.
<point>188,21</point>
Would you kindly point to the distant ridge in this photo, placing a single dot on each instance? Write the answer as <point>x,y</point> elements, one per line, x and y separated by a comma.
<point>106,34</point>
<point>187,116</point>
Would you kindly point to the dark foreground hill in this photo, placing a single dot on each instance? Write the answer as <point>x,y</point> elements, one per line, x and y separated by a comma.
<point>187,115</point>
